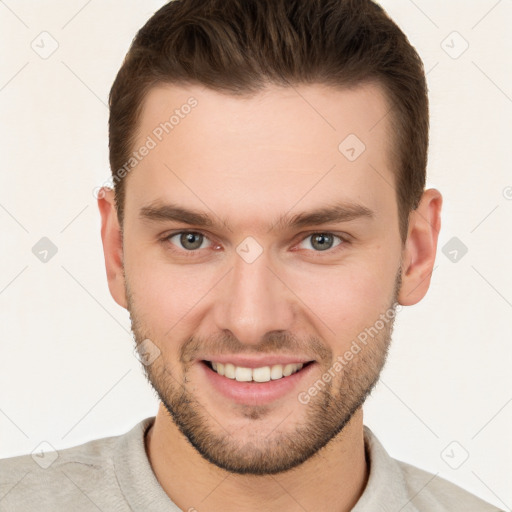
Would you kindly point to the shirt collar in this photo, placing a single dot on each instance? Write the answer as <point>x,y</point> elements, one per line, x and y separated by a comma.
<point>386,489</point>
<point>137,481</point>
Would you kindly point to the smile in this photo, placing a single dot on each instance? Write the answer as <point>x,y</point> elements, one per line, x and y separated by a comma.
<point>256,382</point>
<point>261,374</point>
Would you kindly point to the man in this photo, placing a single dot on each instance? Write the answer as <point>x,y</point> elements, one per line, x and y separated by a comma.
<point>268,219</point>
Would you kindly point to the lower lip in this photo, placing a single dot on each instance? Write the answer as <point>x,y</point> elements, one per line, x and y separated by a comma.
<point>256,393</point>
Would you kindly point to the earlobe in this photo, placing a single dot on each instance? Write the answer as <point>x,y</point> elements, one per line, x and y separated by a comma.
<point>419,253</point>
<point>111,238</point>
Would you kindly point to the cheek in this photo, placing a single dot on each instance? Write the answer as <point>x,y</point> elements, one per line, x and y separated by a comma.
<point>165,296</point>
<point>345,300</point>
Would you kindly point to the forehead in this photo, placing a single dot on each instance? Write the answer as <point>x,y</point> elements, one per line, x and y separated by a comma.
<point>272,150</point>
<point>311,113</point>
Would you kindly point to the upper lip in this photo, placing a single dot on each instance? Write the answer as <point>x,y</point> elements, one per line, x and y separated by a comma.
<point>257,362</point>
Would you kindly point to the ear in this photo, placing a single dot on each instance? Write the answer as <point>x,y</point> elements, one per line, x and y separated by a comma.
<point>112,240</point>
<point>419,253</point>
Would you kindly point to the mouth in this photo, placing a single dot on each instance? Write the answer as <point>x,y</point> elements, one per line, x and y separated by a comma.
<point>260,374</point>
<point>256,385</point>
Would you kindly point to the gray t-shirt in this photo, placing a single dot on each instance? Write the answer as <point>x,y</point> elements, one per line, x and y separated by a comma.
<point>114,474</point>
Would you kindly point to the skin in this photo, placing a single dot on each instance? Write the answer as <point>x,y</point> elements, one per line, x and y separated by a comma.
<point>248,161</point>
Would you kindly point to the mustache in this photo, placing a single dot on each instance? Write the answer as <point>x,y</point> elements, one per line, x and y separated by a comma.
<point>279,343</point>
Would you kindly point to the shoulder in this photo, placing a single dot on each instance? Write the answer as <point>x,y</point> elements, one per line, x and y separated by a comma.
<point>93,453</point>
<point>431,492</point>
<point>409,488</point>
<point>75,478</point>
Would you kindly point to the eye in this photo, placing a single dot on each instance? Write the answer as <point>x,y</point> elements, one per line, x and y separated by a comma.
<point>322,241</point>
<point>188,243</point>
<point>187,240</point>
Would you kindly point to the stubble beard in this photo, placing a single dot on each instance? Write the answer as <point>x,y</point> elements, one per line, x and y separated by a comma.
<point>325,415</point>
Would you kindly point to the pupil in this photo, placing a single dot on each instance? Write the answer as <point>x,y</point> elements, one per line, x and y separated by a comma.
<point>321,239</point>
<point>188,238</point>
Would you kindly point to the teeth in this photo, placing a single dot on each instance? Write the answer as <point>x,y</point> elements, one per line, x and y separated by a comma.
<point>262,374</point>
<point>276,372</point>
<point>288,369</point>
<point>229,370</point>
<point>243,374</point>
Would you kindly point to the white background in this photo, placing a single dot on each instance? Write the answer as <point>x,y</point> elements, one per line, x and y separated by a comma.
<point>67,370</point>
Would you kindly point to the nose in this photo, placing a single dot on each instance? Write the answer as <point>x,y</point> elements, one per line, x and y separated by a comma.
<point>254,301</point>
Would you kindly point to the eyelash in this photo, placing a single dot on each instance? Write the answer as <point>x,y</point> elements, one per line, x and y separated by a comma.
<point>193,253</point>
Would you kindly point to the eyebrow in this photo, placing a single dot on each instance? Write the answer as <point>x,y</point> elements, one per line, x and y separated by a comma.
<point>343,212</point>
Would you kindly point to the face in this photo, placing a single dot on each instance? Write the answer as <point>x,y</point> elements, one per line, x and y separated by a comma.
<point>226,266</point>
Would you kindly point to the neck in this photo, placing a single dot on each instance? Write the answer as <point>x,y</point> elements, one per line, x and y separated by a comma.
<point>332,480</point>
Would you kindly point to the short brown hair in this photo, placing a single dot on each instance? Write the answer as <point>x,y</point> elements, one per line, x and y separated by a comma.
<point>242,46</point>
